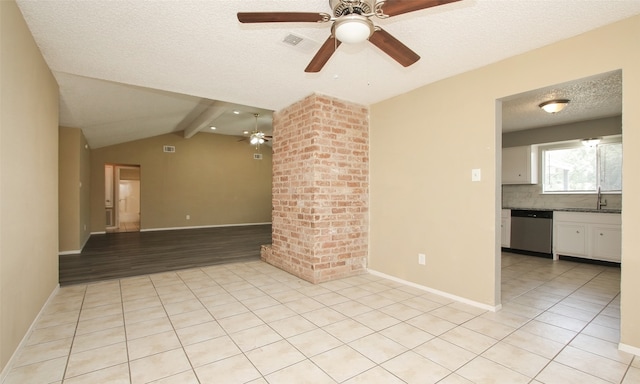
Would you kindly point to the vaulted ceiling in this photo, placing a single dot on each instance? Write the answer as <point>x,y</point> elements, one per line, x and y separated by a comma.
<point>132,69</point>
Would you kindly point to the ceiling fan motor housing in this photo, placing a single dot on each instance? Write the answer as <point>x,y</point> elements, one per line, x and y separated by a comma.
<point>348,7</point>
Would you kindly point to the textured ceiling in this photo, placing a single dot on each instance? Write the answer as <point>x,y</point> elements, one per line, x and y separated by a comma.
<point>110,113</point>
<point>187,53</point>
<point>589,98</point>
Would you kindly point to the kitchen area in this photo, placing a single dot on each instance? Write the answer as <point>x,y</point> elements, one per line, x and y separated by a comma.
<point>580,227</point>
<point>562,171</point>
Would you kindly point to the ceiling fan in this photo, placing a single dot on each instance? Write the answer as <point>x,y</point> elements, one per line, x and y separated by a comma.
<point>352,24</point>
<point>256,137</point>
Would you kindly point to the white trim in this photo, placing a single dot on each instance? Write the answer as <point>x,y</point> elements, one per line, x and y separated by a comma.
<point>16,352</point>
<point>202,226</point>
<point>85,242</point>
<point>74,252</point>
<point>439,293</point>
<point>629,349</point>
<point>193,227</point>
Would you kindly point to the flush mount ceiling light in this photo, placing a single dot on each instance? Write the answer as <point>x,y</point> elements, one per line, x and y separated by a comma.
<point>352,29</point>
<point>554,106</point>
<point>591,142</point>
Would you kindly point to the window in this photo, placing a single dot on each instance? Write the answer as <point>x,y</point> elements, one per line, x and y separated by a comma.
<point>581,169</point>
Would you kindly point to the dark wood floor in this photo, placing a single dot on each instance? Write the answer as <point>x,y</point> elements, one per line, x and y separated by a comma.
<point>116,255</point>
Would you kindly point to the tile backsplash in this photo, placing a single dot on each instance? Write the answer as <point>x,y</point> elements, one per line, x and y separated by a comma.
<point>530,196</point>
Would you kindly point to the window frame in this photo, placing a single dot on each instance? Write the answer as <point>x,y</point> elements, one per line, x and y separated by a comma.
<point>542,148</point>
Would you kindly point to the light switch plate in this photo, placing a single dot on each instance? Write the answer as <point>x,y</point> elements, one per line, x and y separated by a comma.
<point>476,174</point>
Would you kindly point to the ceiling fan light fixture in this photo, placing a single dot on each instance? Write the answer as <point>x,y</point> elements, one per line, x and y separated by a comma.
<point>353,29</point>
<point>257,137</point>
<point>554,106</point>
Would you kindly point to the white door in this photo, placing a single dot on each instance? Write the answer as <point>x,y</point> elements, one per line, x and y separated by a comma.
<point>129,201</point>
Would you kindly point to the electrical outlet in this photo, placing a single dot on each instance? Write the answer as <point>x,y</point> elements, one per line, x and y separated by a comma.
<point>422,259</point>
<point>188,217</point>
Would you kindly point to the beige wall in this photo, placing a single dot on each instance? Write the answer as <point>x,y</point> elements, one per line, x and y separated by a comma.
<point>28,180</point>
<point>74,184</point>
<point>213,178</point>
<point>422,196</point>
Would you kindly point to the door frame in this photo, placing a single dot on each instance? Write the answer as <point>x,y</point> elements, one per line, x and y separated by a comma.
<point>116,192</point>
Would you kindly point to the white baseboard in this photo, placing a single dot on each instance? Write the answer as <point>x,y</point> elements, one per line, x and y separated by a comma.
<point>191,227</point>
<point>85,242</point>
<point>73,252</point>
<point>629,349</point>
<point>14,356</point>
<point>464,300</point>
<point>202,226</point>
<point>76,251</point>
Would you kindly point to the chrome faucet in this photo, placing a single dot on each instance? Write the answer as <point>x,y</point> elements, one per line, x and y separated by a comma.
<point>600,203</point>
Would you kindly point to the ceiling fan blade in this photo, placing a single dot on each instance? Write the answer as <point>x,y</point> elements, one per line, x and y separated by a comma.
<point>398,7</point>
<point>282,17</point>
<point>323,55</point>
<point>393,47</point>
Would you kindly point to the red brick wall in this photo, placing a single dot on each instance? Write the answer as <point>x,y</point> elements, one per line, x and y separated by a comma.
<point>320,189</point>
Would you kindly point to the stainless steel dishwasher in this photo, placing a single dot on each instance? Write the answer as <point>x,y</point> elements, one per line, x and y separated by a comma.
<point>531,231</point>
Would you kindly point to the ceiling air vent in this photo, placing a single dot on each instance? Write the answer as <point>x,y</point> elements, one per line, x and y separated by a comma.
<point>300,43</point>
<point>169,149</point>
<point>257,156</point>
<point>292,39</point>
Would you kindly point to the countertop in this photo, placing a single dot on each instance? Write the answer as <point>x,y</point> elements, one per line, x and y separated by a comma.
<point>591,210</point>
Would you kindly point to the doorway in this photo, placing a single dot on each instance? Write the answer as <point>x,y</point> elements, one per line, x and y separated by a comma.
<point>122,198</point>
<point>594,111</point>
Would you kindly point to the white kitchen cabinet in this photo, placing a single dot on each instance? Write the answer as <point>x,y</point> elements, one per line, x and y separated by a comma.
<point>606,242</point>
<point>570,239</point>
<point>585,234</point>
<point>505,228</point>
<point>520,165</point>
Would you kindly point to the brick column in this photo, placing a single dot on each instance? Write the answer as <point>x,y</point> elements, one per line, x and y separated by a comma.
<point>320,189</point>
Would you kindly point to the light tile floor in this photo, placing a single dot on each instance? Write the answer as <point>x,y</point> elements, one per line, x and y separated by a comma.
<point>125,226</point>
<point>252,323</point>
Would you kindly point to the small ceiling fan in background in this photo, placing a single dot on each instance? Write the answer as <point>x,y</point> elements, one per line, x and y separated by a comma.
<point>256,137</point>
<point>352,24</point>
